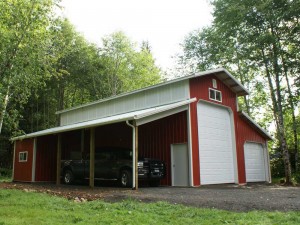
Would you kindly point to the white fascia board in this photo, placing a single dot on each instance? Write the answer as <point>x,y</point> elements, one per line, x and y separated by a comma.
<point>160,115</point>
<point>255,124</point>
<point>107,120</point>
<point>219,70</point>
<point>87,124</point>
<point>164,108</point>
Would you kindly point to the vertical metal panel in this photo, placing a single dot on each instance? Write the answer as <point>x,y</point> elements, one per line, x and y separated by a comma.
<point>46,158</point>
<point>141,100</point>
<point>155,139</point>
<point>23,170</point>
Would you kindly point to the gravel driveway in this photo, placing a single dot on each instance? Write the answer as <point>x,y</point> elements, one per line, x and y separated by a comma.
<point>227,197</point>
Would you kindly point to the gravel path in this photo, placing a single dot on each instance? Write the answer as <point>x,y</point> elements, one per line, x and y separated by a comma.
<point>227,197</point>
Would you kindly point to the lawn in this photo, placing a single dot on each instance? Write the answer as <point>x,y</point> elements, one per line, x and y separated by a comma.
<point>19,207</point>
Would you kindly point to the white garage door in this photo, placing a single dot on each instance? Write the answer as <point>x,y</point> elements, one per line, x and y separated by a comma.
<point>254,162</point>
<point>215,144</point>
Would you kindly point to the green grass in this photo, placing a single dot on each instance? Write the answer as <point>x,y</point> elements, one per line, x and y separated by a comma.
<point>18,207</point>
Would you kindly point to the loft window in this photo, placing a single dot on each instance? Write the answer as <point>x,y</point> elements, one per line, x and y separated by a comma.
<point>214,83</point>
<point>215,95</point>
<point>23,156</point>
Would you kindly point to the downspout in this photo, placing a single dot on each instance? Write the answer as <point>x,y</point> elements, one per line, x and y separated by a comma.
<point>133,154</point>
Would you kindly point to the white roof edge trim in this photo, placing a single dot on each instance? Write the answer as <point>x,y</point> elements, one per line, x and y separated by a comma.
<point>107,120</point>
<point>159,110</point>
<point>254,123</point>
<point>235,80</point>
<point>207,72</point>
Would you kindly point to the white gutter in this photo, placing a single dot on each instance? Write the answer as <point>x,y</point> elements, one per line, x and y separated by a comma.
<point>133,153</point>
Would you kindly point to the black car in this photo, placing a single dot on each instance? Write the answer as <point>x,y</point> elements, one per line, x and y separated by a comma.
<point>114,164</point>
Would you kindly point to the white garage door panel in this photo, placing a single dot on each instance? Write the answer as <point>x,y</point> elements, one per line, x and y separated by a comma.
<point>254,162</point>
<point>215,144</point>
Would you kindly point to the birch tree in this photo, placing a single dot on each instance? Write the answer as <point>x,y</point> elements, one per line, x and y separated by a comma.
<point>23,48</point>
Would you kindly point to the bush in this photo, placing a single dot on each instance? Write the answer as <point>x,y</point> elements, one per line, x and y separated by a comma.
<point>5,172</point>
<point>296,178</point>
<point>277,167</point>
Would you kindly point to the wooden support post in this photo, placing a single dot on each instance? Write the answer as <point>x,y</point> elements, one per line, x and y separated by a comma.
<point>92,157</point>
<point>136,158</point>
<point>58,159</point>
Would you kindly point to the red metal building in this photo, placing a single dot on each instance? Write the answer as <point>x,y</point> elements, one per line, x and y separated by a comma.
<point>192,123</point>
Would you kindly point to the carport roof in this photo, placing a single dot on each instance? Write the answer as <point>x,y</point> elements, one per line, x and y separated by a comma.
<point>135,115</point>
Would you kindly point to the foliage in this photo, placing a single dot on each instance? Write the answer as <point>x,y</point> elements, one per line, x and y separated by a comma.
<point>123,64</point>
<point>5,175</point>
<point>24,62</point>
<point>32,208</point>
<point>277,167</point>
<point>47,66</point>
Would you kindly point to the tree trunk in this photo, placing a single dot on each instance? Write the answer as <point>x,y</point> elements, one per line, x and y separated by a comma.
<point>291,102</point>
<point>277,112</point>
<point>4,106</point>
<point>281,127</point>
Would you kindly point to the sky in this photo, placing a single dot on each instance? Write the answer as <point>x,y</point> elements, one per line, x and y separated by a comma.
<point>163,23</point>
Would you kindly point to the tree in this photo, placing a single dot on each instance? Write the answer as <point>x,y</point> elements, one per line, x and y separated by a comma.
<point>125,67</point>
<point>75,80</point>
<point>23,44</point>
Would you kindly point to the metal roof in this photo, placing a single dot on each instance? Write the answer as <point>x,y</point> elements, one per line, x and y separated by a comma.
<point>254,124</point>
<point>136,115</point>
<point>221,73</point>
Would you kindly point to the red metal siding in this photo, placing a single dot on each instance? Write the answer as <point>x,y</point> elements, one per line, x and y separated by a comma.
<point>23,170</point>
<point>155,139</point>
<point>46,158</point>
<point>245,133</point>
<point>199,88</point>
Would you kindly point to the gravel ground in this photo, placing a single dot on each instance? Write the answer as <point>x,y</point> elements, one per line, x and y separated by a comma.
<point>228,197</point>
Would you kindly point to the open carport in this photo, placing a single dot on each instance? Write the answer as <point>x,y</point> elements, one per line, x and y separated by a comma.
<point>151,133</point>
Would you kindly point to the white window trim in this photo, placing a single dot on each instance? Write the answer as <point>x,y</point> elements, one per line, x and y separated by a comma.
<point>214,83</point>
<point>214,99</point>
<point>25,152</point>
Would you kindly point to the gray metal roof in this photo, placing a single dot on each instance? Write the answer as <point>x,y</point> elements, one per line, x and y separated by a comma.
<point>221,73</point>
<point>136,115</point>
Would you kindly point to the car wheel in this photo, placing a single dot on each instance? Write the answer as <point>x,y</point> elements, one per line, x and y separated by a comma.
<point>125,178</point>
<point>68,177</point>
<point>154,183</point>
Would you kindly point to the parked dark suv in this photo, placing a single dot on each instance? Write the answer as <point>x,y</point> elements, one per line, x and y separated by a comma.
<point>114,164</point>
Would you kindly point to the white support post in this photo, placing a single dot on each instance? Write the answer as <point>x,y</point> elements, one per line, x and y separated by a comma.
<point>134,156</point>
